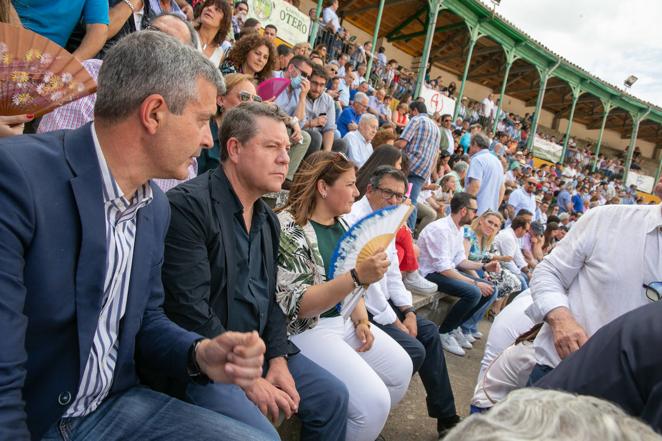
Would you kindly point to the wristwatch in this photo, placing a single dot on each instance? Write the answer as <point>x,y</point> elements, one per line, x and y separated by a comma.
<point>192,367</point>
<point>407,311</point>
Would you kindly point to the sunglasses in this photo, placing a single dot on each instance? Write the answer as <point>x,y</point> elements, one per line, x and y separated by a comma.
<point>653,291</point>
<point>245,97</point>
<point>302,73</point>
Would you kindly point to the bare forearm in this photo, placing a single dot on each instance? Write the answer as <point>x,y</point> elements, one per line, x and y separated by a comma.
<point>119,14</point>
<point>327,140</point>
<point>95,38</point>
<point>320,298</point>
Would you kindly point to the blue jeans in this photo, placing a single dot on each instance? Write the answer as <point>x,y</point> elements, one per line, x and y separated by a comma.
<point>416,186</point>
<point>539,371</point>
<point>322,409</point>
<point>141,414</point>
<point>470,299</point>
<point>471,324</point>
<point>428,359</point>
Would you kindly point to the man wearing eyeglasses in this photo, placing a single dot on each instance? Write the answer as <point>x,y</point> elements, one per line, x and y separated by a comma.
<point>390,305</point>
<point>443,260</point>
<point>595,274</point>
<point>349,118</point>
<point>320,119</point>
<point>447,142</point>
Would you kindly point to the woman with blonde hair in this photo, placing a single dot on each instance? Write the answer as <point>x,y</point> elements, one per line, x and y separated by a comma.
<point>373,366</point>
<point>479,247</point>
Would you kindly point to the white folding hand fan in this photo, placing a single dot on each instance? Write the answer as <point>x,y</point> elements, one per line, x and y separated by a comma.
<point>361,241</point>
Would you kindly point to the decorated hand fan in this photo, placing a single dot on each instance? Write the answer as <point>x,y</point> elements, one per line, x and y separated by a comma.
<point>37,75</point>
<point>363,240</point>
<point>272,87</point>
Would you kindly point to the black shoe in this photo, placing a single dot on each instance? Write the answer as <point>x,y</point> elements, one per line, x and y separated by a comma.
<point>380,438</point>
<point>444,425</point>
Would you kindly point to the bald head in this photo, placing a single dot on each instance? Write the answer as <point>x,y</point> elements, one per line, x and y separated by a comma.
<point>175,27</point>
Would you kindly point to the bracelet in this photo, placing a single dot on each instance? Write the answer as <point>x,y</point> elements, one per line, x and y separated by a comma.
<point>355,278</point>
<point>130,5</point>
<point>362,322</point>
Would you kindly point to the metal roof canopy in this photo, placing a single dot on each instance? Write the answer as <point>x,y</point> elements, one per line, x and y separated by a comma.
<point>404,24</point>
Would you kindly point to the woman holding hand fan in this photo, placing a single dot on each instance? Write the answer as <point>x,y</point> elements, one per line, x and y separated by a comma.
<point>375,369</point>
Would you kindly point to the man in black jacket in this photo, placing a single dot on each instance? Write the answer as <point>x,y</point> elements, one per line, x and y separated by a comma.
<point>219,274</point>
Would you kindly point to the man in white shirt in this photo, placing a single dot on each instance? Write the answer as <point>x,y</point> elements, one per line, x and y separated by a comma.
<point>359,147</point>
<point>507,243</point>
<point>390,305</point>
<point>485,178</point>
<point>523,198</point>
<point>486,107</point>
<point>596,273</point>
<point>442,260</point>
<point>330,18</point>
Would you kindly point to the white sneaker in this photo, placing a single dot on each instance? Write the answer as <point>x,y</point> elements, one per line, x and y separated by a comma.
<point>477,335</point>
<point>414,281</point>
<point>461,339</point>
<point>470,338</point>
<point>449,344</point>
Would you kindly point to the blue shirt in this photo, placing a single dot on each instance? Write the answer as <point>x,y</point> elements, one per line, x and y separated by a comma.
<point>465,141</point>
<point>578,203</point>
<point>56,19</point>
<point>423,137</point>
<point>346,117</point>
<point>487,169</point>
<point>562,201</point>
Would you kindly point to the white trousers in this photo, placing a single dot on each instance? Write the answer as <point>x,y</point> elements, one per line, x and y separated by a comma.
<point>377,379</point>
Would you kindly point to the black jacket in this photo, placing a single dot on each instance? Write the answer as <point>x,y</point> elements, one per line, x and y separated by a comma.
<point>198,269</point>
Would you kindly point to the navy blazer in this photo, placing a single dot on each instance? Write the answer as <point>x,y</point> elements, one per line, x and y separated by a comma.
<point>52,270</point>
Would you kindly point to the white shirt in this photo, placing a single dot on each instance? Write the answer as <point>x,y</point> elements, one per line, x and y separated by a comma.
<point>508,372</point>
<point>487,169</point>
<point>330,16</point>
<point>390,287</point>
<point>520,199</point>
<point>509,324</point>
<point>442,246</point>
<point>358,149</point>
<point>509,245</point>
<point>597,270</point>
<point>486,107</point>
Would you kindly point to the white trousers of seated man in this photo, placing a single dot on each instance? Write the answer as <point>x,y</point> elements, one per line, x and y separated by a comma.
<point>377,379</point>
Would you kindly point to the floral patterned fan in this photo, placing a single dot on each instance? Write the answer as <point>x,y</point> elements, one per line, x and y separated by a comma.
<point>37,75</point>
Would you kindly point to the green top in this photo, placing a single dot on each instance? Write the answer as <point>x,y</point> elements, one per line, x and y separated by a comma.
<point>328,237</point>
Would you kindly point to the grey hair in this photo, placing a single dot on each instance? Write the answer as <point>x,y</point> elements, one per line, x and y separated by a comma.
<point>460,167</point>
<point>540,415</point>
<point>367,117</point>
<point>360,96</point>
<point>480,140</point>
<point>240,123</point>
<point>386,170</point>
<point>191,30</point>
<point>146,63</point>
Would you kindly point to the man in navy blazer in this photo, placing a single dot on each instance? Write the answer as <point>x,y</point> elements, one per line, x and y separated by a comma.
<point>81,247</point>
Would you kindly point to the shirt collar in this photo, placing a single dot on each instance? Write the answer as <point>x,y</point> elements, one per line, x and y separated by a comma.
<point>111,191</point>
<point>236,205</point>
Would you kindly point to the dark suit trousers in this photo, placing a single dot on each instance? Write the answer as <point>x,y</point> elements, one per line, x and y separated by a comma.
<point>428,359</point>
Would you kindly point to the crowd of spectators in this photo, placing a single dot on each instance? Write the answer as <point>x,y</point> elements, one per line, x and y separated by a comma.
<point>216,295</point>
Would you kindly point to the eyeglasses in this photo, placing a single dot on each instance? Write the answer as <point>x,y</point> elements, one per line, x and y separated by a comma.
<point>151,27</point>
<point>245,97</point>
<point>472,209</point>
<point>653,291</point>
<point>302,73</point>
<point>389,194</point>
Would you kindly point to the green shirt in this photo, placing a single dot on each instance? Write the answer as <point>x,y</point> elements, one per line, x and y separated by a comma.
<point>328,237</point>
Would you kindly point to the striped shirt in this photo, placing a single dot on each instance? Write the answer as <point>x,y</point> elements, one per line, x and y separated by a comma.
<point>120,218</point>
<point>423,138</point>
